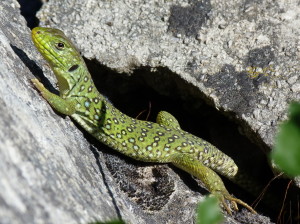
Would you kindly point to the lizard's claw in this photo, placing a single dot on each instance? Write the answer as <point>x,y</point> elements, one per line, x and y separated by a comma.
<point>233,201</point>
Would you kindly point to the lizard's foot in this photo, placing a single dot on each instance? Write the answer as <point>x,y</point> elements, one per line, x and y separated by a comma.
<point>64,106</point>
<point>233,201</point>
<point>37,84</point>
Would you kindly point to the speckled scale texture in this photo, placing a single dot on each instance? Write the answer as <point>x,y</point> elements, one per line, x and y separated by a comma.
<point>152,142</point>
<point>142,140</point>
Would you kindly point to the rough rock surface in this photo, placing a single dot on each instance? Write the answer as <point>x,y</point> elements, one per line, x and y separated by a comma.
<point>50,173</point>
<point>240,56</point>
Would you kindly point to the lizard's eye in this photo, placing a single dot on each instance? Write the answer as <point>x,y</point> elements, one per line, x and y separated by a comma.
<point>60,45</point>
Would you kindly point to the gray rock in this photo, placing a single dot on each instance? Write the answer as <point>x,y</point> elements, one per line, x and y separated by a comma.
<point>50,173</point>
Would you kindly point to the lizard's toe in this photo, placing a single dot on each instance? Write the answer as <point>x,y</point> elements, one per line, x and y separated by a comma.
<point>37,84</point>
<point>233,202</point>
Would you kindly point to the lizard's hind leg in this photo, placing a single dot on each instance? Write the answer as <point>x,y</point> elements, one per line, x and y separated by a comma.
<point>209,177</point>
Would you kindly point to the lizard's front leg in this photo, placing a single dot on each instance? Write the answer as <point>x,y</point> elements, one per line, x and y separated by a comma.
<point>64,106</point>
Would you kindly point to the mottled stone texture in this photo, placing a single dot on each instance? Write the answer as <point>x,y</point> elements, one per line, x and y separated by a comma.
<point>241,57</point>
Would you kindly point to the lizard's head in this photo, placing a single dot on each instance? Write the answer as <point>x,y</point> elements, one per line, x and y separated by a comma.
<point>60,53</point>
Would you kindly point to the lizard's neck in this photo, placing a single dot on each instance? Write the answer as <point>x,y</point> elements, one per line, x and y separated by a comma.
<point>69,78</point>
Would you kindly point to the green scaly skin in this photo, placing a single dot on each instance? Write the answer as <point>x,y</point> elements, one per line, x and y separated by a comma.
<point>161,142</point>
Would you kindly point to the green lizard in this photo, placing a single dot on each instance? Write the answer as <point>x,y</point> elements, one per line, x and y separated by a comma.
<point>161,142</point>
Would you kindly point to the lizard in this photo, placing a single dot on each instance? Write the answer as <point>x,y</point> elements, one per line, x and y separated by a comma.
<point>162,141</point>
